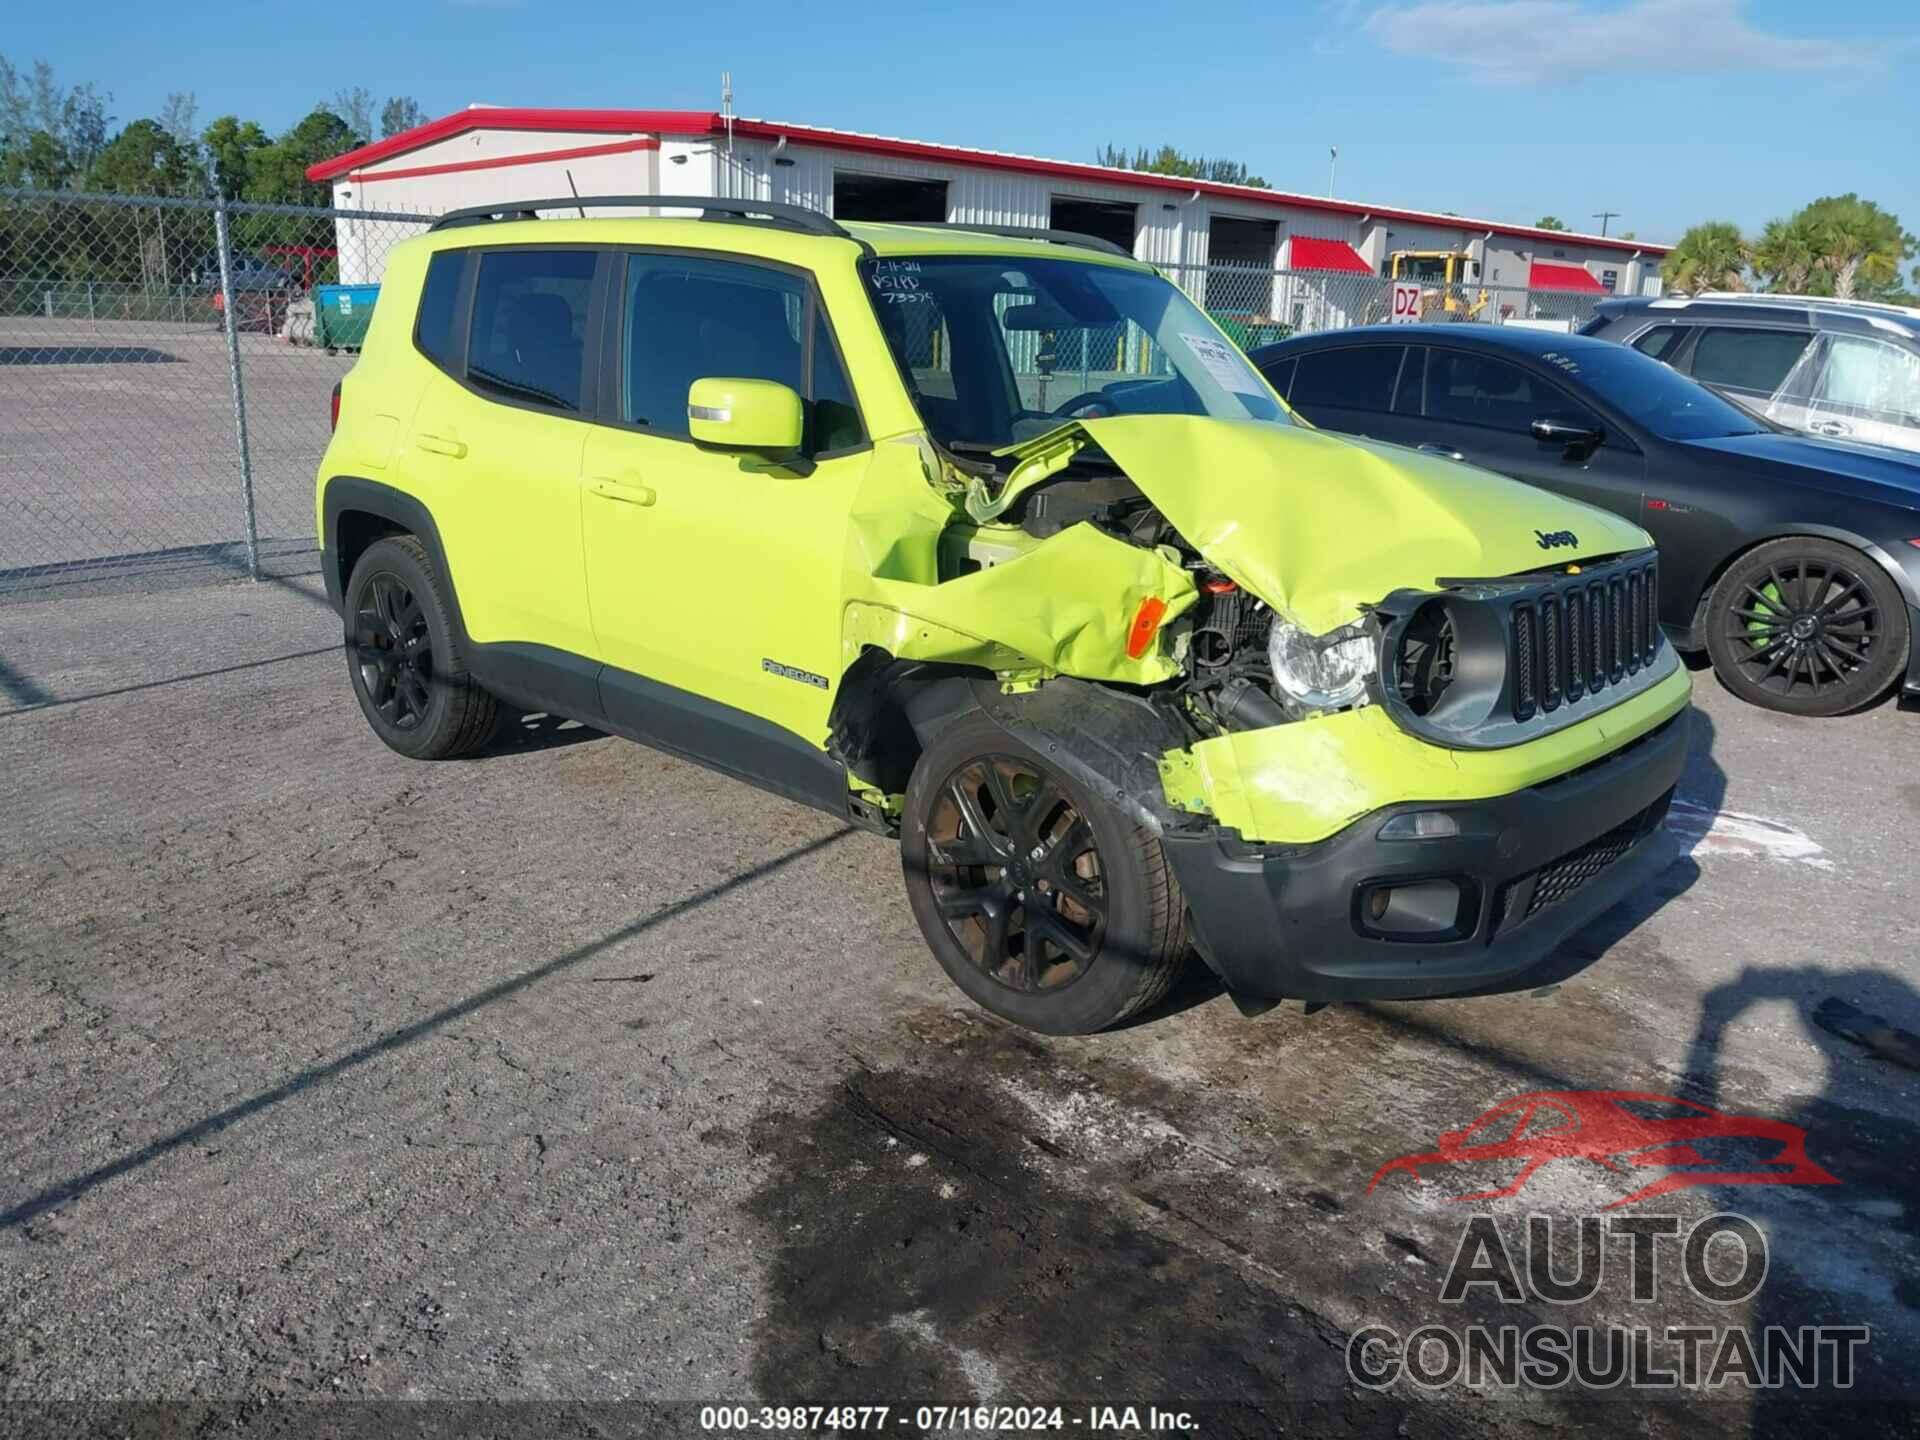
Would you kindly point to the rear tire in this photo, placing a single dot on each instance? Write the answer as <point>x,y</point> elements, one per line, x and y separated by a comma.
<point>1806,627</point>
<point>404,660</point>
<point>1045,904</point>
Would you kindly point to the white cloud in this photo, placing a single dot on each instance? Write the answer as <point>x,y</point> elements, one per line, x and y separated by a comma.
<point>1550,41</point>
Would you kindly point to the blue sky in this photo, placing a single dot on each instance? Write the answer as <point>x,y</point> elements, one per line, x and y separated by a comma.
<point>1669,111</point>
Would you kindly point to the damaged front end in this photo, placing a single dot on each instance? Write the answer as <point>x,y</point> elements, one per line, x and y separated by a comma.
<point>1382,741</point>
<point>1249,577</point>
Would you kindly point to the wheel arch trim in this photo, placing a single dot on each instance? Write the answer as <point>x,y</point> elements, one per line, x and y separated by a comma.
<point>1108,740</point>
<point>353,493</point>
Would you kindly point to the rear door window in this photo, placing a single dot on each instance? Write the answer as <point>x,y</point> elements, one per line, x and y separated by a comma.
<point>1353,377</point>
<point>1468,388</point>
<point>1747,359</point>
<point>529,326</point>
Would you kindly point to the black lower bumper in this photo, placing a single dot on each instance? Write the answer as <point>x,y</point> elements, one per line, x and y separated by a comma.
<point>1530,869</point>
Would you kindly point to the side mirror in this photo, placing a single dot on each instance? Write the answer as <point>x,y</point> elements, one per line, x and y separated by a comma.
<point>755,417</point>
<point>1572,435</point>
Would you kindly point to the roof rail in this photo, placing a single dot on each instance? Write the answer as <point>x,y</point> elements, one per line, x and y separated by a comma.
<point>711,207</point>
<point>1023,232</point>
<point>1810,302</point>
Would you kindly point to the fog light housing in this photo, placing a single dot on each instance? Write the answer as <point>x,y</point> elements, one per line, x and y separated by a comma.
<point>1421,825</point>
<point>1440,908</point>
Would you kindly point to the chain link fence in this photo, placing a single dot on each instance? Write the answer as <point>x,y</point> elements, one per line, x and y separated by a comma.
<point>1259,306</point>
<point>166,366</point>
<point>165,372</point>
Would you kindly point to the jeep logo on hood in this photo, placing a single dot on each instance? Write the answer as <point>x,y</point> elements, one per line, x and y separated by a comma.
<point>1554,539</point>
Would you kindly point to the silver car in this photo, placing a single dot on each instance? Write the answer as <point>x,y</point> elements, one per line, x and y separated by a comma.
<point>1847,369</point>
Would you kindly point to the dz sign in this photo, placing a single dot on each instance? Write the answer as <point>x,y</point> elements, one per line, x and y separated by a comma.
<point>1406,302</point>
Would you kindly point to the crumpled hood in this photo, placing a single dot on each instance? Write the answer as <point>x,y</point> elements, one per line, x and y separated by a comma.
<point>1318,525</point>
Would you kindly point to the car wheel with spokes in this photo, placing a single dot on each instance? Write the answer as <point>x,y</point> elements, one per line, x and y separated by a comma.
<point>404,659</point>
<point>1047,905</point>
<point>1806,626</point>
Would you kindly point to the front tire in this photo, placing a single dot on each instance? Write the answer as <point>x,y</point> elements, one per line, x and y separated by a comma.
<point>404,660</point>
<point>1806,627</point>
<point>1045,904</point>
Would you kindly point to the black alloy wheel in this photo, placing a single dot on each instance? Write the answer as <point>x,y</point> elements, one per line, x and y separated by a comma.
<point>405,657</point>
<point>393,651</point>
<point>1016,874</point>
<point>1047,903</point>
<point>1809,627</point>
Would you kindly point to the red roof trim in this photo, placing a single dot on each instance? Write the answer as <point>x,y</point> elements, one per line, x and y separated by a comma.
<point>503,162</point>
<point>708,122</point>
<point>678,122</point>
<point>1309,252</point>
<point>1546,275</point>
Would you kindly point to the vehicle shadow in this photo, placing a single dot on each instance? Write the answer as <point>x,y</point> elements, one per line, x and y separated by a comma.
<point>36,697</point>
<point>1862,1264</point>
<point>525,732</point>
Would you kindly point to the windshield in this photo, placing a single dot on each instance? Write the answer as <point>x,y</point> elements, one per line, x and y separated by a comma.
<point>998,351</point>
<point>1665,401</point>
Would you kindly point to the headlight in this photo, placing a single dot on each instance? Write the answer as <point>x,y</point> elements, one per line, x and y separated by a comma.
<point>1321,672</point>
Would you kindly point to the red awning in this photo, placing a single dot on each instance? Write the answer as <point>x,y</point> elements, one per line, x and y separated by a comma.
<point>1307,253</point>
<point>1545,275</point>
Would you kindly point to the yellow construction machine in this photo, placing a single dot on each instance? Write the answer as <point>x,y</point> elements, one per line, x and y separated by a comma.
<point>1443,276</point>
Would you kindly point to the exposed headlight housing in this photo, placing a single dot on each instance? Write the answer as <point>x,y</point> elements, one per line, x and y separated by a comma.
<point>1321,672</point>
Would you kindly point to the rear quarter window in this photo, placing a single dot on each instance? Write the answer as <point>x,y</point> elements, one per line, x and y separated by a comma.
<point>1279,374</point>
<point>1660,342</point>
<point>1357,377</point>
<point>435,329</point>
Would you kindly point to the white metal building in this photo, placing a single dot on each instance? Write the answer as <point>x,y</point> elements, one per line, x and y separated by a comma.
<point>497,155</point>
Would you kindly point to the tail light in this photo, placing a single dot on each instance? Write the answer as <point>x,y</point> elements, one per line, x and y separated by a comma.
<point>333,418</point>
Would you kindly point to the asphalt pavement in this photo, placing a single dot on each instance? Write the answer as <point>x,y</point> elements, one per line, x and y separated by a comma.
<point>574,1073</point>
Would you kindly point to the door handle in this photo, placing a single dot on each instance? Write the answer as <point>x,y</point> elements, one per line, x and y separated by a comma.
<point>629,491</point>
<point>1443,450</point>
<point>442,445</point>
<point>1829,427</point>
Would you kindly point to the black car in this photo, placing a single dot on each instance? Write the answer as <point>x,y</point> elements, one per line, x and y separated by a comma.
<point>1793,562</point>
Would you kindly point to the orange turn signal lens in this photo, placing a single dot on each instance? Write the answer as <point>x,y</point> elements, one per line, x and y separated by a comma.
<point>1146,625</point>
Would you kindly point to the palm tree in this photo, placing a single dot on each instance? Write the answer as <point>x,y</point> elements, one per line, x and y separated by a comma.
<point>1711,256</point>
<point>1855,242</point>
<point>1785,255</point>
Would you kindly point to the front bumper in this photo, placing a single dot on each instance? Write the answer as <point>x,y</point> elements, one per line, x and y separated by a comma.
<point>1533,866</point>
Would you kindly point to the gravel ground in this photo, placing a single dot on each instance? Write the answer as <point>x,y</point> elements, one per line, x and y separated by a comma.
<point>575,1074</point>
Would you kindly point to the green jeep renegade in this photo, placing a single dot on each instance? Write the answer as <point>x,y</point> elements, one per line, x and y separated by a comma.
<point>991,541</point>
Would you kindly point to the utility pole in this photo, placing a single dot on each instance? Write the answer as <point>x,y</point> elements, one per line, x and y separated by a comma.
<point>1333,159</point>
<point>1603,216</point>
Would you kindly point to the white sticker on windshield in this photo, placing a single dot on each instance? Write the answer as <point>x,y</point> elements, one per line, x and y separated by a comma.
<point>1224,363</point>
